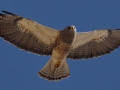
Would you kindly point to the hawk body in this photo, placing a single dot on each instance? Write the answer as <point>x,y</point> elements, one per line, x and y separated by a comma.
<point>60,51</point>
<point>67,43</point>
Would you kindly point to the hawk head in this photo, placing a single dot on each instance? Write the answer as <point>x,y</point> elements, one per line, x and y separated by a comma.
<point>70,29</point>
<point>68,34</point>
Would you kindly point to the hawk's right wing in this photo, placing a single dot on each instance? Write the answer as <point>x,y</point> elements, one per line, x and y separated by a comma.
<point>27,34</point>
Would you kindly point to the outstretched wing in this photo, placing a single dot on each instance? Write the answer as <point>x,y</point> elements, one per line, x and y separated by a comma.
<point>27,34</point>
<point>95,43</point>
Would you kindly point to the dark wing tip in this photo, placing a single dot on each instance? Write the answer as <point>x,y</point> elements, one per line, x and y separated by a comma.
<point>117,29</point>
<point>8,12</point>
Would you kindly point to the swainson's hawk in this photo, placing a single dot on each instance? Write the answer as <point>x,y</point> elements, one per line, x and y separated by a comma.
<point>67,43</point>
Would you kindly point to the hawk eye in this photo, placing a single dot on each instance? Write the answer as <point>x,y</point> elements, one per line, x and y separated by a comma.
<point>69,27</point>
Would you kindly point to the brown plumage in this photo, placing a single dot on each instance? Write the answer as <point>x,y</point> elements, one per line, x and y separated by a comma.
<point>67,43</point>
<point>95,46</point>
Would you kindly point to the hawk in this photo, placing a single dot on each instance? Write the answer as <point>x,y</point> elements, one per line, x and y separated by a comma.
<point>60,44</point>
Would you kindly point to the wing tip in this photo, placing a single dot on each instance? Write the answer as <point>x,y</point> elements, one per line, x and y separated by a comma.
<point>6,12</point>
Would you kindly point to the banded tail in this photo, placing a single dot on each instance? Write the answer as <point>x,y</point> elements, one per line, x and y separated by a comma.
<point>53,72</point>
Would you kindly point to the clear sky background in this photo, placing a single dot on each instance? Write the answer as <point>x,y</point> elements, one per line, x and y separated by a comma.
<point>18,68</point>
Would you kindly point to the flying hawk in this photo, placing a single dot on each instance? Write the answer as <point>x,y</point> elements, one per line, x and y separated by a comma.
<point>67,43</point>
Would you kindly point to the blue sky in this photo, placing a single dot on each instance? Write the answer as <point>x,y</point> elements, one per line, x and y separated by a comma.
<point>18,68</point>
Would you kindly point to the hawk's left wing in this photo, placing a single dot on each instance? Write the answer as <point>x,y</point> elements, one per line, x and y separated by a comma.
<point>95,43</point>
<point>27,34</point>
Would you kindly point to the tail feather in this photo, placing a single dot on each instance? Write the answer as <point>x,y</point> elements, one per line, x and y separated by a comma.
<point>57,73</point>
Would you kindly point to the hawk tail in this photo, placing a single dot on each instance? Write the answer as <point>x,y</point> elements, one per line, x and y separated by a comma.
<point>54,73</point>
